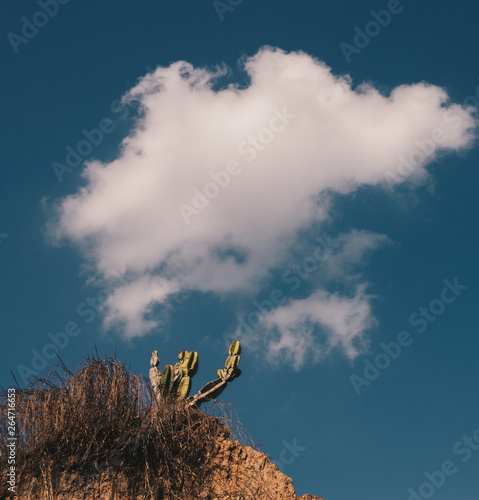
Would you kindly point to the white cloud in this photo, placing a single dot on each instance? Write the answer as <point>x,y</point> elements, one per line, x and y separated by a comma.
<point>351,250</point>
<point>305,330</point>
<point>130,303</point>
<point>294,135</point>
<point>301,331</point>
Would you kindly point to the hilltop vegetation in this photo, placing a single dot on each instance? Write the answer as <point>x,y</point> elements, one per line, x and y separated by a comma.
<point>101,433</point>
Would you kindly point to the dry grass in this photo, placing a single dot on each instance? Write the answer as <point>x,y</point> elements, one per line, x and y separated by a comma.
<point>103,417</point>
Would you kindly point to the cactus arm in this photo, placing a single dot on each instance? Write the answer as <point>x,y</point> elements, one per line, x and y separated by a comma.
<point>184,388</point>
<point>190,363</point>
<point>155,379</point>
<point>213,389</point>
<point>208,392</point>
<point>166,383</point>
<point>155,360</point>
<point>235,348</point>
<point>155,375</point>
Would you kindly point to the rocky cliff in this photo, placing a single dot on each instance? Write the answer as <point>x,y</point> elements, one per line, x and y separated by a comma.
<point>253,472</point>
<point>239,472</point>
<point>99,434</point>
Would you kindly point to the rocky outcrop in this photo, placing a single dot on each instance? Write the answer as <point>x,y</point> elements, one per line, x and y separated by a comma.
<point>241,467</point>
<point>100,435</point>
<point>239,472</point>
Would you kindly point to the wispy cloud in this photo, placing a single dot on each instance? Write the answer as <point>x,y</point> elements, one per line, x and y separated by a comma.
<point>286,141</point>
<point>306,330</point>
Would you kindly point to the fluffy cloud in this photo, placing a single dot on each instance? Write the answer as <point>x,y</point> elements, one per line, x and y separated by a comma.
<point>211,188</point>
<point>290,334</point>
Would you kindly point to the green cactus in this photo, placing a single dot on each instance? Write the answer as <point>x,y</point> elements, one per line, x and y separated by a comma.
<point>232,363</point>
<point>213,389</point>
<point>184,388</point>
<point>166,383</point>
<point>190,363</point>
<point>176,380</point>
<point>231,370</point>
<point>235,348</point>
<point>184,370</point>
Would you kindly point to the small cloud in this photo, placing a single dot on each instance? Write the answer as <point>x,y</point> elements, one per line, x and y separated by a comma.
<point>304,331</point>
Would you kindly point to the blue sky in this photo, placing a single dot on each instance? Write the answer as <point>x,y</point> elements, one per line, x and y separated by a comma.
<point>296,165</point>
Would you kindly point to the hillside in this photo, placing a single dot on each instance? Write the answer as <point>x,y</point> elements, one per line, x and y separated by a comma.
<point>99,434</point>
<point>239,473</point>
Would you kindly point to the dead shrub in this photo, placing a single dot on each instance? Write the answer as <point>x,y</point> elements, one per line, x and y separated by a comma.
<point>104,419</point>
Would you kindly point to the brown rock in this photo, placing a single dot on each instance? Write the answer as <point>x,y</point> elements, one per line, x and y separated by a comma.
<point>239,472</point>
